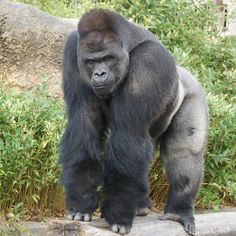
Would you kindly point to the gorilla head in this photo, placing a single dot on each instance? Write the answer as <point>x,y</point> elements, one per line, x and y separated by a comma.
<point>102,58</point>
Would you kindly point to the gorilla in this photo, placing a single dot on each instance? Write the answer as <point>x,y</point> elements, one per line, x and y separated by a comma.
<point>124,94</point>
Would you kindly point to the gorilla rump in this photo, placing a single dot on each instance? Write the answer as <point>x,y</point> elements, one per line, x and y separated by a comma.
<point>123,90</point>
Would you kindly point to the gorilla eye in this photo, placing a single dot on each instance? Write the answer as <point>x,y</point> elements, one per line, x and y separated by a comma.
<point>108,58</point>
<point>89,62</point>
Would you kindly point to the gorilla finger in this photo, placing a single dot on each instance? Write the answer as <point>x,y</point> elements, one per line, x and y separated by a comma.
<point>114,228</point>
<point>71,214</point>
<point>78,216</point>
<point>124,229</point>
<point>87,217</point>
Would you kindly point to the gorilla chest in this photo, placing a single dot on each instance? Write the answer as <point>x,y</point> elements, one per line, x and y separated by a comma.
<point>106,108</point>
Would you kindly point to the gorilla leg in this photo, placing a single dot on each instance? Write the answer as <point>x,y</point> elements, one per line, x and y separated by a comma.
<point>80,143</point>
<point>182,150</point>
<point>126,179</point>
<point>80,181</point>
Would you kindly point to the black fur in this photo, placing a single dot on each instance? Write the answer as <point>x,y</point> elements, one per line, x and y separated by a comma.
<point>132,107</point>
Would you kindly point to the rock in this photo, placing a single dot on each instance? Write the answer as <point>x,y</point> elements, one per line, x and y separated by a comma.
<point>9,215</point>
<point>211,224</point>
<point>65,228</point>
<point>31,45</point>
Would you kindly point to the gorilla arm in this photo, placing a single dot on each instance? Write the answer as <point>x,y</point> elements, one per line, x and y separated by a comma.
<point>79,147</point>
<point>151,87</point>
<point>82,135</point>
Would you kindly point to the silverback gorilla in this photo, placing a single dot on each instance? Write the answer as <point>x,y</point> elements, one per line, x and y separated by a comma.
<point>124,92</point>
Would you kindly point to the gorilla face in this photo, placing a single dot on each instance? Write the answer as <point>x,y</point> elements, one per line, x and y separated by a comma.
<point>103,62</point>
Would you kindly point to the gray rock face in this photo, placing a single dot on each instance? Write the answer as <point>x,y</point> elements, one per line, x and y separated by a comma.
<point>31,44</point>
<point>212,224</point>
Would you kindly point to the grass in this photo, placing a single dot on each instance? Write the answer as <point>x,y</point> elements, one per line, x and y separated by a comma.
<point>30,127</point>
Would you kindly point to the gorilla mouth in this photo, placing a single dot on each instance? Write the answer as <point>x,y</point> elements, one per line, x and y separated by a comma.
<point>101,86</point>
<point>102,90</point>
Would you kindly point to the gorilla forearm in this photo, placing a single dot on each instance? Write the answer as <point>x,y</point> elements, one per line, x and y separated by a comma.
<point>79,154</point>
<point>126,155</point>
<point>76,148</point>
<point>126,181</point>
<point>80,157</point>
<point>84,113</point>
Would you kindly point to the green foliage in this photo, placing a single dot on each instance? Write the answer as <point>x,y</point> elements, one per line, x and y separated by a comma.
<point>220,162</point>
<point>30,126</point>
<point>61,8</point>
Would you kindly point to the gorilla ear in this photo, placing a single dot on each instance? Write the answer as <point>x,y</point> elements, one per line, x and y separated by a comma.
<point>96,19</point>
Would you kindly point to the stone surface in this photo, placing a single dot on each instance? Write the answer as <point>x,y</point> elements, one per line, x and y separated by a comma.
<point>211,224</point>
<point>31,45</point>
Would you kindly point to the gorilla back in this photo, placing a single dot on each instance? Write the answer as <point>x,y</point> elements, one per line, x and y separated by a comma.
<point>121,85</point>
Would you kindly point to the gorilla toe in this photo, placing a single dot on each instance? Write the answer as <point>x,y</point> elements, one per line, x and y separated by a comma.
<point>188,222</point>
<point>189,227</point>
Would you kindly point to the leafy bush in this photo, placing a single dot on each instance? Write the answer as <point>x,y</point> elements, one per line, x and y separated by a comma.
<point>31,125</point>
<point>56,7</point>
<point>220,177</point>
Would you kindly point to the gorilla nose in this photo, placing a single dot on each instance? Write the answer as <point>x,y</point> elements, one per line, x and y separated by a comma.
<point>100,76</point>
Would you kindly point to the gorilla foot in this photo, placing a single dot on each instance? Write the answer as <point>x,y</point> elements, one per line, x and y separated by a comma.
<point>188,222</point>
<point>189,227</point>
<point>75,215</point>
<point>170,216</point>
<point>142,211</point>
<point>120,228</point>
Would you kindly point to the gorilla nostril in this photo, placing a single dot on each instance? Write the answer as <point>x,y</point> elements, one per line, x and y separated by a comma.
<point>100,76</point>
<point>103,74</point>
<point>96,74</point>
